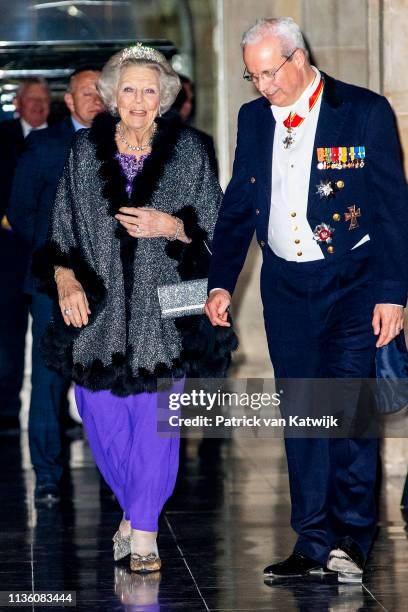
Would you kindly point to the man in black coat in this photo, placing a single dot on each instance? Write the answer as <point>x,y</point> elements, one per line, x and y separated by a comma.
<point>33,105</point>
<point>32,197</point>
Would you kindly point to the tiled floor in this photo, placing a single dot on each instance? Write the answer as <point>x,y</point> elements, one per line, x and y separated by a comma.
<point>227,520</point>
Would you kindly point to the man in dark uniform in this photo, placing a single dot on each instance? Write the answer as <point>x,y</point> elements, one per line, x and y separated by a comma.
<point>318,175</point>
<point>33,105</point>
<point>33,194</point>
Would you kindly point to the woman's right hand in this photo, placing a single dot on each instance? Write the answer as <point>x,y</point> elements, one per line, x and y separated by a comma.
<point>72,299</point>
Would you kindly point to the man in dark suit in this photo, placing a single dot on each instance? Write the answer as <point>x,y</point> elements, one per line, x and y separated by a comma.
<point>318,175</point>
<point>33,194</point>
<point>33,105</point>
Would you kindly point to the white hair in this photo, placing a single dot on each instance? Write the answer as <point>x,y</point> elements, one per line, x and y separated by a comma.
<point>26,83</point>
<point>108,81</point>
<point>284,28</point>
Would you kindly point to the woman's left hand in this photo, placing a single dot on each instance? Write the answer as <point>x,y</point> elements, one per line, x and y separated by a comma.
<point>146,222</point>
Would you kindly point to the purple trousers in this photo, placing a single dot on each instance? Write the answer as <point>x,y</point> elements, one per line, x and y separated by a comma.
<point>139,465</point>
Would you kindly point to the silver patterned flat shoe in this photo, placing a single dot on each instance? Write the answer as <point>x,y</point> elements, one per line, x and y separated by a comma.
<point>145,563</point>
<point>121,546</point>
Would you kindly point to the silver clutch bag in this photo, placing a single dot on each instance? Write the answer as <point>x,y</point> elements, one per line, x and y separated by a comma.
<point>183,299</point>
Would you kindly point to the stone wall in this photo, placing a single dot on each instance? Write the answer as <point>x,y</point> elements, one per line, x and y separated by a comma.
<point>394,59</point>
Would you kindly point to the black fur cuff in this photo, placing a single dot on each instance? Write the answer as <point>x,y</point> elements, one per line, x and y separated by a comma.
<point>50,255</point>
<point>193,258</point>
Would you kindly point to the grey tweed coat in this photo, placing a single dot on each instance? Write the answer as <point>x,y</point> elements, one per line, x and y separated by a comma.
<point>127,345</point>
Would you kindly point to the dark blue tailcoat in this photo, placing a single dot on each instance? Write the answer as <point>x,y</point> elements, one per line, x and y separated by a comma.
<point>349,116</point>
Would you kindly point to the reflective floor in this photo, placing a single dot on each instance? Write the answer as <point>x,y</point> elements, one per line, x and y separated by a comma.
<point>227,520</point>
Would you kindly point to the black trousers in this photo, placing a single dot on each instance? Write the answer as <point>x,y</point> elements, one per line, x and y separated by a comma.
<point>13,321</point>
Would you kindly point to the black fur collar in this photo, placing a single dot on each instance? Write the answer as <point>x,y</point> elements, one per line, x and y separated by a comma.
<point>102,134</point>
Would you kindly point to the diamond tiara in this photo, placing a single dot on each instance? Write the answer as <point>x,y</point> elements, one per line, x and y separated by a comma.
<point>139,51</point>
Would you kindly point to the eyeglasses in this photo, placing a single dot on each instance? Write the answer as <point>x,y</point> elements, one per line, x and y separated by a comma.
<point>269,75</point>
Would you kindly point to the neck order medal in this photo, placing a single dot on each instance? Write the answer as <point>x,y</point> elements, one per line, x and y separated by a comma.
<point>293,120</point>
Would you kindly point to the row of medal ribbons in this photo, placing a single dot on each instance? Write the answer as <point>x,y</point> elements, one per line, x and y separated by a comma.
<point>338,158</point>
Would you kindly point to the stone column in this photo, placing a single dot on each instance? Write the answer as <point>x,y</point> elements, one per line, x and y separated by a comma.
<point>233,17</point>
<point>394,53</point>
<point>337,34</point>
<point>205,64</point>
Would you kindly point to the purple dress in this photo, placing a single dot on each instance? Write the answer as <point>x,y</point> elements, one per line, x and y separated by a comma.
<point>139,465</point>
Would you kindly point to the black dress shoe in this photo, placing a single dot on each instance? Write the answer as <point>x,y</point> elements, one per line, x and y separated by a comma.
<point>46,494</point>
<point>296,565</point>
<point>347,560</point>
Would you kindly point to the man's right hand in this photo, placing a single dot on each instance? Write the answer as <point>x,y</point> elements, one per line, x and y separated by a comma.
<point>217,306</point>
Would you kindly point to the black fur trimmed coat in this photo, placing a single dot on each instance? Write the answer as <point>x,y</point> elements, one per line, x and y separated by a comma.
<point>127,346</point>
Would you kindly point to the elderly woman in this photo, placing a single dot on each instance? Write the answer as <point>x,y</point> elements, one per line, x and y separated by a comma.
<point>136,202</point>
